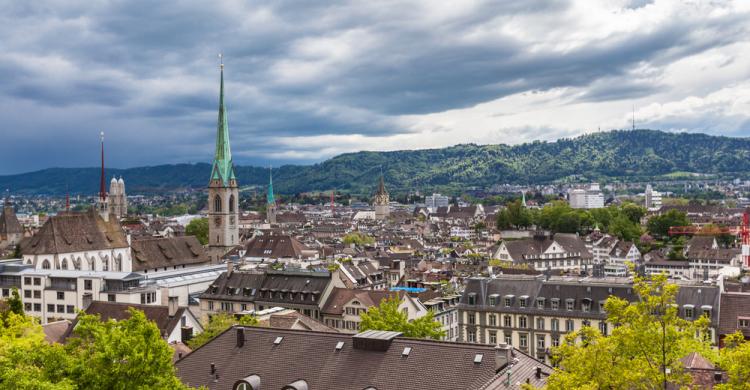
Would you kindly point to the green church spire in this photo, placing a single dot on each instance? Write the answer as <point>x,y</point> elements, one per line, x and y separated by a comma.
<point>223,168</point>
<point>270,197</point>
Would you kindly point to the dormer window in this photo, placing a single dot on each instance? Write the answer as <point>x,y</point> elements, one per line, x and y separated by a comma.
<point>493,299</point>
<point>688,311</point>
<point>472,298</point>
<point>508,300</point>
<point>522,301</point>
<point>540,303</point>
<point>569,304</point>
<point>555,303</point>
<point>706,310</point>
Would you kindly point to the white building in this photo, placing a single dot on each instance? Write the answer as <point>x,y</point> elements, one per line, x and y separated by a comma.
<point>591,198</point>
<point>434,201</point>
<point>653,198</point>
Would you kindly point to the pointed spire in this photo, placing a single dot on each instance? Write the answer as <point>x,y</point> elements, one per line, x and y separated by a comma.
<point>270,197</point>
<point>523,198</point>
<point>102,187</point>
<point>381,185</point>
<point>222,167</point>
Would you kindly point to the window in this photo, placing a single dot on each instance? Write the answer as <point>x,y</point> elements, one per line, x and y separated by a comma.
<point>555,303</point>
<point>471,336</point>
<point>523,340</point>
<point>493,337</point>
<point>51,308</point>
<point>60,295</point>
<point>472,318</point>
<point>231,203</point>
<point>37,294</point>
<point>507,321</point>
<point>508,339</point>
<point>507,302</point>
<point>569,304</point>
<point>210,305</point>
<point>493,299</point>
<point>27,281</point>
<point>217,203</point>
<point>6,292</point>
<point>27,306</point>
<point>61,308</point>
<point>87,284</point>
<point>569,326</point>
<point>540,323</point>
<point>688,312</point>
<point>111,298</point>
<point>522,303</point>
<point>522,322</point>
<point>586,306</point>
<point>45,264</point>
<point>70,309</point>
<point>227,306</point>
<point>472,299</point>
<point>603,327</point>
<point>64,264</point>
<point>27,293</point>
<point>555,341</point>
<point>540,303</point>
<point>743,323</point>
<point>37,281</point>
<point>555,325</point>
<point>493,320</point>
<point>37,307</point>
<point>540,341</point>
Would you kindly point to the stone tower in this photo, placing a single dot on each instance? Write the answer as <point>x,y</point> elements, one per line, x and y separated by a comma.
<point>223,193</point>
<point>271,201</point>
<point>381,201</point>
<point>118,201</point>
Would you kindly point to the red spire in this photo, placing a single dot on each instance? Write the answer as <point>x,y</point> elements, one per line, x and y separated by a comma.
<point>102,187</point>
<point>67,201</point>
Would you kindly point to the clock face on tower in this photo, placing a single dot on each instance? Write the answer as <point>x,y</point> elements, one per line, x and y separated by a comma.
<point>217,221</point>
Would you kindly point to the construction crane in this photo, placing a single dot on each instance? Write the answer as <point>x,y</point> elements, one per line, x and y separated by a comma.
<point>742,231</point>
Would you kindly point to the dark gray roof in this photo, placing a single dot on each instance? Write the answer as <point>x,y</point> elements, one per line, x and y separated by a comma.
<point>313,357</point>
<point>235,286</point>
<point>75,232</point>
<point>167,252</point>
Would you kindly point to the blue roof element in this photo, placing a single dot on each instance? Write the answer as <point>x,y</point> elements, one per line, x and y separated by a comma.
<point>409,289</point>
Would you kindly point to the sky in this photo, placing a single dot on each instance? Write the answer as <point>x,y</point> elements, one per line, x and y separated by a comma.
<point>309,80</point>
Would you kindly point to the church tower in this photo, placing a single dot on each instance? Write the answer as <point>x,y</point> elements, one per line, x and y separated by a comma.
<point>223,193</point>
<point>271,201</point>
<point>102,203</point>
<point>381,202</point>
<point>117,198</point>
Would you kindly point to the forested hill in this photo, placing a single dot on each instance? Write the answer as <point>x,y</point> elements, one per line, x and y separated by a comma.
<point>635,155</point>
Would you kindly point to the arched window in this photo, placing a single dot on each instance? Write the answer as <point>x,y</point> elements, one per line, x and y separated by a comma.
<point>105,263</point>
<point>64,264</point>
<point>77,264</point>
<point>45,264</point>
<point>118,263</point>
<point>231,203</point>
<point>90,263</point>
<point>217,204</point>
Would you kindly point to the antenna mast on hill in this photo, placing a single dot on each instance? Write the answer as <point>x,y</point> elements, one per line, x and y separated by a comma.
<point>633,116</point>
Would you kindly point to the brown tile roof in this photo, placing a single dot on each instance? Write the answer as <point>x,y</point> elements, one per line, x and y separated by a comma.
<point>9,222</point>
<point>313,357</point>
<point>298,218</point>
<point>733,305</point>
<point>75,232</point>
<point>368,298</point>
<point>167,252</point>
<point>55,332</point>
<point>294,318</point>
<point>119,311</point>
<point>275,246</point>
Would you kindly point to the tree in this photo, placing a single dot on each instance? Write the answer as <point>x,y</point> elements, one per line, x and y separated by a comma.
<point>126,354</point>
<point>519,216</point>
<point>659,225</point>
<point>27,361</point>
<point>633,212</point>
<point>388,316</point>
<point>198,227</point>
<point>624,228</point>
<point>358,239</point>
<point>643,350</point>
<point>15,305</point>
<point>217,324</point>
<point>734,358</point>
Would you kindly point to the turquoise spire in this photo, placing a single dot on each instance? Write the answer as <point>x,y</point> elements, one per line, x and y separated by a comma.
<point>223,168</point>
<point>270,197</point>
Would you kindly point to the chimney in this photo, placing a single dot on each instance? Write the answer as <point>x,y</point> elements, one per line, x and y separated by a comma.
<point>213,368</point>
<point>164,296</point>
<point>240,336</point>
<point>172,306</point>
<point>502,356</point>
<point>538,372</point>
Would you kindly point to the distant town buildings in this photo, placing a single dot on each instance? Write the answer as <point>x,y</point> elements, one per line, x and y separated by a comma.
<point>653,198</point>
<point>435,201</point>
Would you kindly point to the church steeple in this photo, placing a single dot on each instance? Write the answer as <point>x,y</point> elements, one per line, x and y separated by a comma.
<point>223,169</point>
<point>270,198</point>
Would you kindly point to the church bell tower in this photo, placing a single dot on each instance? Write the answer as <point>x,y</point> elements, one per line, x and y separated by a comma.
<point>223,193</point>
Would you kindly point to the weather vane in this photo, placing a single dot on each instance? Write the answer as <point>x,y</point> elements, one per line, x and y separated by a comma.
<point>101,135</point>
<point>221,60</point>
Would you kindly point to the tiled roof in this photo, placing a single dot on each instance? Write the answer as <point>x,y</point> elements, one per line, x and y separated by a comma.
<point>75,232</point>
<point>167,252</point>
<point>367,298</point>
<point>733,305</point>
<point>9,222</point>
<point>314,358</point>
<point>275,246</point>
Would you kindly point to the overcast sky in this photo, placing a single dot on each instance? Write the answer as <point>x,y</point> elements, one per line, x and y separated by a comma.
<point>312,79</point>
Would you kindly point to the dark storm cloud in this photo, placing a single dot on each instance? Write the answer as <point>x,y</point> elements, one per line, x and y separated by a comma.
<point>146,72</point>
